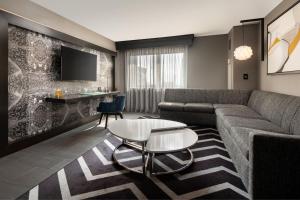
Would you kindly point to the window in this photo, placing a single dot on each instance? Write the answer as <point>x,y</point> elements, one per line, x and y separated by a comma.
<point>149,72</point>
<point>156,69</point>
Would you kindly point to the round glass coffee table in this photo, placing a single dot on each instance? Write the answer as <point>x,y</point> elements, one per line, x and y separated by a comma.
<point>150,137</point>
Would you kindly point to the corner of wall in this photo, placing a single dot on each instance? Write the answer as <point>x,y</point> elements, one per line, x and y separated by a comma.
<point>41,15</point>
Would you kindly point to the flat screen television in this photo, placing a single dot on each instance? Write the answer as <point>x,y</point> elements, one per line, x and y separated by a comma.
<point>78,65</point>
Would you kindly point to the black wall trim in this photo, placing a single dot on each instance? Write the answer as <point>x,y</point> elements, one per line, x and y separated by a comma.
<point>26,142</point>
<point>33,26</point>
<point>3,82</point>
<point>156,42</point>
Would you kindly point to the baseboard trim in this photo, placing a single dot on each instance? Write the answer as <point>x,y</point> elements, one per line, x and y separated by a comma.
<point>27,142</point>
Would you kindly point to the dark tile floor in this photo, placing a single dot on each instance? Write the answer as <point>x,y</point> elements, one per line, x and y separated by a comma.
<point>23,170</point>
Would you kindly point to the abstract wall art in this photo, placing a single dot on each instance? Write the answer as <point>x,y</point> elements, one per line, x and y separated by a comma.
<point>284,42</point>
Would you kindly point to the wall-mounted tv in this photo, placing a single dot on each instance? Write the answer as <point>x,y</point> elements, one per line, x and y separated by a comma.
<point>78,65</point>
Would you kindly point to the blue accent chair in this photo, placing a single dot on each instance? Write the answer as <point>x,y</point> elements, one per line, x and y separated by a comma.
<point>115,107</point>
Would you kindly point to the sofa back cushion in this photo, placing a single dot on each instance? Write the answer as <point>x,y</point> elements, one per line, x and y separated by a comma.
<point>280,111</point>
<point>290,115</point>
<point>195,96</point>
<point>207,96</point>
<point>277,108</point>
<point>234,97</point>
<point>256,100</point>
<point>295,126</point>
<point>175,95</point>
<point>188,96</point>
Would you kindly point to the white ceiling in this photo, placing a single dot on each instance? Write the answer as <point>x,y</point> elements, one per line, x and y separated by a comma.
<point>121,20</point>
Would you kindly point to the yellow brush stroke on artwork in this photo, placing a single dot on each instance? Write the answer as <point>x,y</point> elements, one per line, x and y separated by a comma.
<point>277,40</point>
<point>294,43</point>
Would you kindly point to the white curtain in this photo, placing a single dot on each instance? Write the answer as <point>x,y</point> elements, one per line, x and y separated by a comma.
<point>149,72</point>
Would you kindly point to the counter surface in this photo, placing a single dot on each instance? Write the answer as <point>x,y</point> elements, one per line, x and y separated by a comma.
<point>72,98</point>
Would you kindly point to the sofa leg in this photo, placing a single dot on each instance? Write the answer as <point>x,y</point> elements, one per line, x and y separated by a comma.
<point>116,117</point>
<point>121,115</point>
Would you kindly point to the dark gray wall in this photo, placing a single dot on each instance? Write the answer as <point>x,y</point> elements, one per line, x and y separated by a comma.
<point>207,62</point>
<point>250,66</point>
<point>288,84</point>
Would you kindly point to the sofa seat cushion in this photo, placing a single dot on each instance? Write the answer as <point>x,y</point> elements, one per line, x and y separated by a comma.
<point>260,124</point>
<point>171,106</point>
<point>241,137</point>
<point>242,111</point>
<point>216,106</point>
<point>199,107</point>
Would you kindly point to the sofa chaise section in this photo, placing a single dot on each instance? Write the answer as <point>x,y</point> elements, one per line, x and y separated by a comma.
<point>261,131</point>
<point>279,117</point>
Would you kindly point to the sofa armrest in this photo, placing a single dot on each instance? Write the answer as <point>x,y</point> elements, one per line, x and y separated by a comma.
<point>274,165</point>
<point>170,106</point>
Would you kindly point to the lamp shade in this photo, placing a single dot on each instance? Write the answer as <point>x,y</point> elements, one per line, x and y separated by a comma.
<point>243,53</point>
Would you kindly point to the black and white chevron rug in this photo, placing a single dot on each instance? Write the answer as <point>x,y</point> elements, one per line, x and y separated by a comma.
<point>94,175</point>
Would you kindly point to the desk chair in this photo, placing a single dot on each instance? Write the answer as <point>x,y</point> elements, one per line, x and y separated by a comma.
<point>115,107</point>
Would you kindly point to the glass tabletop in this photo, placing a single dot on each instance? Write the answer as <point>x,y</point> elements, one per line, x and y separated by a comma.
<point>139,130</point>
<point>171,141</point>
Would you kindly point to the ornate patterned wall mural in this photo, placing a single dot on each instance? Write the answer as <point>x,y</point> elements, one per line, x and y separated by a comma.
<point>34,73</point>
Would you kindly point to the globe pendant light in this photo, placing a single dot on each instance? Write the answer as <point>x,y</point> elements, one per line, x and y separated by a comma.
<point>243,52</point>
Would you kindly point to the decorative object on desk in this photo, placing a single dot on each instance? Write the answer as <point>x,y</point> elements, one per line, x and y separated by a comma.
<point>284,42</point>
<point>115,107</point>
<point>243,52</point>
<point>58,93</point>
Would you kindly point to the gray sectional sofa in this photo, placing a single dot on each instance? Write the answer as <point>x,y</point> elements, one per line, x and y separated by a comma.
<point>261,131</point>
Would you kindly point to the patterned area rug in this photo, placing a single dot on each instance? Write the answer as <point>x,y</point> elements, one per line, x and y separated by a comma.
<point>94,175</point>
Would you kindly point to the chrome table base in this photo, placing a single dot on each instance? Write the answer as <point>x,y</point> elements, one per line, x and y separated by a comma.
<point>148,160</point>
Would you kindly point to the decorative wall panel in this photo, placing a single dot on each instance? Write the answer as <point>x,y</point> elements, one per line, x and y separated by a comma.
<point>34,73</point>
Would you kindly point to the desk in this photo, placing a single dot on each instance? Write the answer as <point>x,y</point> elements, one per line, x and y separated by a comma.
<point>74,98</point>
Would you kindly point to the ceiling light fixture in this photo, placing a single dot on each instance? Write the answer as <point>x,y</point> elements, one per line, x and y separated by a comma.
<point>245,52</point>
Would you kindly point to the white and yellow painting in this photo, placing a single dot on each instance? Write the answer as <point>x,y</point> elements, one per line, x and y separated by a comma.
<point>284,42</point>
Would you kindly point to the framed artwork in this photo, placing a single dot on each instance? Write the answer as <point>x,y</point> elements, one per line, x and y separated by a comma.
<point>284,42</point>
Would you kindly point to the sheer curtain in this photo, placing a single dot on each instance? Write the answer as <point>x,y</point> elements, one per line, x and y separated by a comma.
<point>149,71</point>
